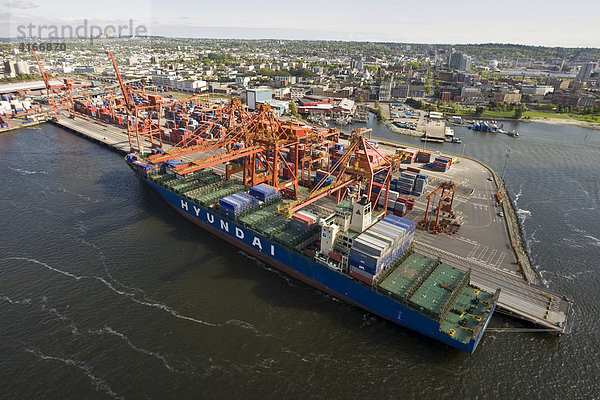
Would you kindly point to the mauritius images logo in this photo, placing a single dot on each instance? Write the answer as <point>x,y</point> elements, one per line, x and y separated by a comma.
<point>85,30</point>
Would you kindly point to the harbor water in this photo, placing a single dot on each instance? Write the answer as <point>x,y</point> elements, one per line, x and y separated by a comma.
<point>106,292</point>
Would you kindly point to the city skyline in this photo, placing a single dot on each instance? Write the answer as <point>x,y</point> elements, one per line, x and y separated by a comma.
<point>437,22</point>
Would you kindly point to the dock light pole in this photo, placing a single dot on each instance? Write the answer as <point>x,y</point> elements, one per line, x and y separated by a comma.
<point>504,169</point>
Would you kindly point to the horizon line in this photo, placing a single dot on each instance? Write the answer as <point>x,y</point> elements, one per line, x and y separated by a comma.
<point>6,39</point>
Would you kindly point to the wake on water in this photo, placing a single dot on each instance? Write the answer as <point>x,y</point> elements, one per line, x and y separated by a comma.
<point>26,172</point>
<point>98,382</point>
<point>75,330</point>
<point>145,301</point>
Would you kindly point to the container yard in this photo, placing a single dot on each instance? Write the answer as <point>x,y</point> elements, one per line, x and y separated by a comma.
<point>386,227</point>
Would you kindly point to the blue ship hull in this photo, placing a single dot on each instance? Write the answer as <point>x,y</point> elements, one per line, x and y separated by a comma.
<point>305,269</point>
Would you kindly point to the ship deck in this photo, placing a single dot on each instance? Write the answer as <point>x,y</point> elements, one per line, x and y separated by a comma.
<point>442,293</point>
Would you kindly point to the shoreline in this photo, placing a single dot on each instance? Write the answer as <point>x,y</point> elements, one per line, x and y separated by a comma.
<point>400,131</point>
<point>560,121</point>
<point>551,121</point>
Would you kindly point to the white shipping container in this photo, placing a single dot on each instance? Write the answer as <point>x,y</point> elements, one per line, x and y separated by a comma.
<point>312,216</point>
<point>391,203</point>
<point>393,195</point>
<point>398,232</point>
<point>382,236</point>
<point>372,243</point>
<point>392,234</point>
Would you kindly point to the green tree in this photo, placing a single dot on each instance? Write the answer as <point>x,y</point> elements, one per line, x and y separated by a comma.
<point>519,111</point>
<point>294,109</point>
<point>479,111</point>
<point>378,111</point>
<point>414,103</point>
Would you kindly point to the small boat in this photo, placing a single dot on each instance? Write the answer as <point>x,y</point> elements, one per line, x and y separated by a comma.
<point>513,133</point>
<point>456,140</point>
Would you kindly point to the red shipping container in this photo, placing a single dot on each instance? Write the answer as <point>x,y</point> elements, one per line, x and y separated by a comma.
<point>361,278</point>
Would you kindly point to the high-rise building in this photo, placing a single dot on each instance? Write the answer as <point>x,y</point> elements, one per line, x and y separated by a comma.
<point>385,90</point>
<point>22,67</point>
<point>10,68</point>
<point>460,61</point>
<point>585,72</point>
<point>13,68</point>
<point>258,95</point>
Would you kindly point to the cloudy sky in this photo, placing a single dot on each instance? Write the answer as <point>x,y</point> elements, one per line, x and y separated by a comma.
<point>575,23</point>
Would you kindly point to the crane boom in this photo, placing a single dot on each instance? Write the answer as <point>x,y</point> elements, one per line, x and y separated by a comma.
<point>124,88</point>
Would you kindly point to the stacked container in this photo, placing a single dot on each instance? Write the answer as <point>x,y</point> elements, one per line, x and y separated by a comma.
<point>411,156</point>
<point>406,183</point>
<point>303,220</point>
<point>264,192</point>
<point>441,164</point>
<point>400,208</point>
<point>5,108</point>
<point>421,184</point>
<point>409,203</point>
<point>237,203</point>
<point>287,172</point>
<point>379,247</point>
<point>392,197</point>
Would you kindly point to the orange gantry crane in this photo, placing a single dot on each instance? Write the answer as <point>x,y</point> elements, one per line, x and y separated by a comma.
<point>60,96</point>
<point>358,167</point>
<point>265,149</point>
<point>252,143</point>
<point>144,112</point>
<point>446,191</point>
<point>282,154</point>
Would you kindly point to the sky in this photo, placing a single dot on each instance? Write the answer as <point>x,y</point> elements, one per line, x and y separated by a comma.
<point>575,23</point>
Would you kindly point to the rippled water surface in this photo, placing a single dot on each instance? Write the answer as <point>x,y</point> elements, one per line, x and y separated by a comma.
<point>105,292</point>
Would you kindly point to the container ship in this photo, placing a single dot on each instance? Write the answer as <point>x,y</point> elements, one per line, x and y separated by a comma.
<point>343,245</point>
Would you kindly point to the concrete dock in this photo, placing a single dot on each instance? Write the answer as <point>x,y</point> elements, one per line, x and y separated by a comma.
<point>484,242</point>
<point>109,135</point>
